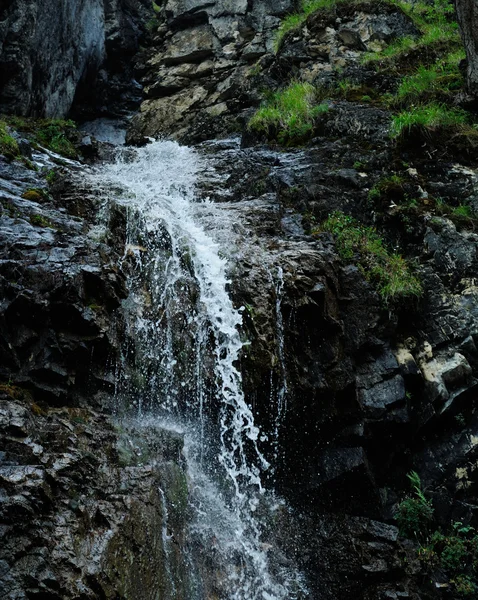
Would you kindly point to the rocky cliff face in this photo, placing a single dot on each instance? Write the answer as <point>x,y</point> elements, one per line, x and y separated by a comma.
<point>352,392</point>
<point>50,52</point>
<point>86,509</point>
<point>60,289</point>
<point>371,391</point>
<point>200,57</point>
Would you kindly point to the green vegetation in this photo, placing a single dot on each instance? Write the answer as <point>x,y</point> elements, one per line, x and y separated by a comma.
<point>415,513</point>
<point>36,195</point>
<point>427,117</point>
<point>388,272</point>
<point>389,187</point>
<point>255,70</point>
<point>40,221</point>
<point>463,211</point>
<point>435,23</point>
<point>8,144</point>
<point>51,177</point>
<point>434,82</point>
<point>296,20</point>
<point>14,391</point>
<point>455,554</point>
<point>53,134</point>
<point>289,114</point>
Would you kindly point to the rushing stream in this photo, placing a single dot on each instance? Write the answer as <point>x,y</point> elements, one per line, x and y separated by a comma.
<point>184,335</point>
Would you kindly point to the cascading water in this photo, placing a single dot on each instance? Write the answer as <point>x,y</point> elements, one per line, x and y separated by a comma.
<point>279,388</point>
<point>184,334</point>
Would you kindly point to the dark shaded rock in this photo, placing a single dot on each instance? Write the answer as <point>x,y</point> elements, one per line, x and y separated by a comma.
<point>51,56</point>
<point>81,514</point>
<point>60,290</point>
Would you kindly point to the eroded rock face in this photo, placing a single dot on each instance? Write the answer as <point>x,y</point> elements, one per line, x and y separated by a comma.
<point>82,512</point>
<point>61,289</point>
<point>48,50</point>
<point>222,56</point>
<point>200,58</point>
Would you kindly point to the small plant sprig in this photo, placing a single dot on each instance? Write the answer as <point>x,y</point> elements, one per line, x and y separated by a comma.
<point>415,513</point>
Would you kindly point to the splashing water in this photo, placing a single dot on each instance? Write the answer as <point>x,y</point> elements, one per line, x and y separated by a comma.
<point>183,332</point>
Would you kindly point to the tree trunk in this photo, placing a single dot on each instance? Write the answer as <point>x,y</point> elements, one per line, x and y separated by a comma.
<point>467,13</point>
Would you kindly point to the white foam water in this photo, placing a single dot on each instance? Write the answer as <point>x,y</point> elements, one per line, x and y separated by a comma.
<point>184,335</point>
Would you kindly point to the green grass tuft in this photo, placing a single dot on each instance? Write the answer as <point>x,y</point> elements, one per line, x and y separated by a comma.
<point>434,82</point>
<point>53,134</point>
<point>388,272</point>
<point>427,117</point>
<point>435,23</point>
<point>8,144</point>
<point>289,114</point>
<point>463,210</point>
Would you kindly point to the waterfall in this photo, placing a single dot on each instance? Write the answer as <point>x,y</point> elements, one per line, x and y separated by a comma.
<point>184,337</point>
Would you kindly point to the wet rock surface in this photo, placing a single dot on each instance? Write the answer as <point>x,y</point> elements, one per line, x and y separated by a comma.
<point>352,393</point>
<point>61,288</point>
<point>80,509</point>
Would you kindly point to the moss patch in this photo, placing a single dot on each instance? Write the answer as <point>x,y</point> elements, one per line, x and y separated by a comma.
<point>40,221</point>
<point>36,195</point>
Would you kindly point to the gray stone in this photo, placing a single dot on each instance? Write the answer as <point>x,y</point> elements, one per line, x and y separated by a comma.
<point>191,45</point>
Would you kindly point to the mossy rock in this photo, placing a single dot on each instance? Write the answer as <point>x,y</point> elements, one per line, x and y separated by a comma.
<point>40,221</point>
<point>35,195</point>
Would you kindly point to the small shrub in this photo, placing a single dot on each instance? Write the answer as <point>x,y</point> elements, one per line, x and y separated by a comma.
<point>456,556</point>
<point>465,586</point>
<point>388,272</point>
<point>414,514</point>
<point>289,115</point>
